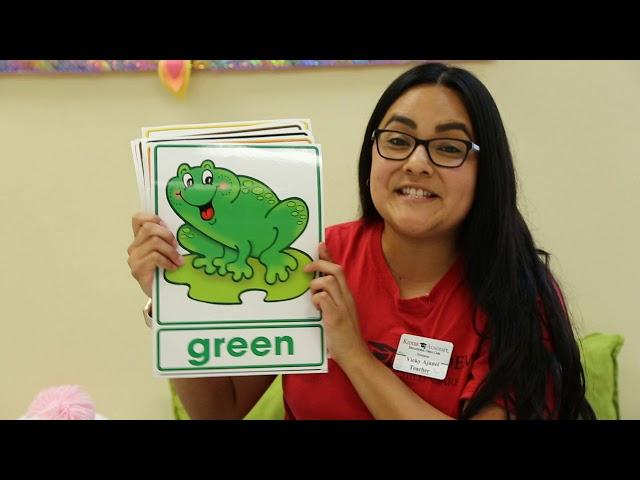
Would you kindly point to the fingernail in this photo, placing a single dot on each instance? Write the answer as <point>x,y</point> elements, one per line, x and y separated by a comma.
<point>180,260</point>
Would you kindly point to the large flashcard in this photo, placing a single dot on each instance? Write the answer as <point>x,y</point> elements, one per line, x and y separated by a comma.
<point>247,218</point>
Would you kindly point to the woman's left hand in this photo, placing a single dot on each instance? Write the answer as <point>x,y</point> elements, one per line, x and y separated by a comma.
<point>331,295</point>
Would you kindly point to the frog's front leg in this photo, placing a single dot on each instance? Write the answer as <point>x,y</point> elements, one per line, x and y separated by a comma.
<point>205,247</point>
<point>221,263</point>
<point>289,219</point>
<point>239,267</point>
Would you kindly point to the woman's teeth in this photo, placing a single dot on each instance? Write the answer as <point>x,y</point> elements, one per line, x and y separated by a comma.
<point>417,193</point>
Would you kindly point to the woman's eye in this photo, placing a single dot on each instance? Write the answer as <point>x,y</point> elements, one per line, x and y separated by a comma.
<point>449,149</point>
<point>398,142</point>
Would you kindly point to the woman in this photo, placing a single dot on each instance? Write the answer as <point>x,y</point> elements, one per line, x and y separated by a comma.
<point>436,303</point>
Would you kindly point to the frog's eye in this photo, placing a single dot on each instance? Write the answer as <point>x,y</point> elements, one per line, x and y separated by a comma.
<point>187,179</point>
<point>207,177</point>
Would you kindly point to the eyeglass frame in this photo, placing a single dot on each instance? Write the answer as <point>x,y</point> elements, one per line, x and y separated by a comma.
<point>471,146</point>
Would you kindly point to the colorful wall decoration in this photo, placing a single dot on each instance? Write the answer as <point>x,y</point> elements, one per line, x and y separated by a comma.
<point>174,74</point>
<point>106,66</point>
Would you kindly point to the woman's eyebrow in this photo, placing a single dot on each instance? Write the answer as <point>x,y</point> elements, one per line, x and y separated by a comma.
<point>406,120</point>
<point>443,127</point>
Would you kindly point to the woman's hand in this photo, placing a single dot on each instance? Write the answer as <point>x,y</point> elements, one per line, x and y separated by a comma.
<point>153,246</point>
<point>331,295</point>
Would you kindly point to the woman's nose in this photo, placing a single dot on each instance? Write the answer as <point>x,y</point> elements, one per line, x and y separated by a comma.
<point>419,162</point>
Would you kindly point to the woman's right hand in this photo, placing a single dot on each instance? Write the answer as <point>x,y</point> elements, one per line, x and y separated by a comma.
<point>153,246</point>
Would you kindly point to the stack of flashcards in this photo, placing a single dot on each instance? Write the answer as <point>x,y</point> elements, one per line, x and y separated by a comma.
<point>244,201</point>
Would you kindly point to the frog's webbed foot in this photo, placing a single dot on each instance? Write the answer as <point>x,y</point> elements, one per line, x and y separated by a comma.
<point>221,262</point>
<point>221,265</point>
<point>239,270</point>
<point>278,265</point>
<point>205,248</point>
<point>204,262</point>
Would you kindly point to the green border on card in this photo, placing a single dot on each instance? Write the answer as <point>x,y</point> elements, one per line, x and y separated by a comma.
<point>160,369</point>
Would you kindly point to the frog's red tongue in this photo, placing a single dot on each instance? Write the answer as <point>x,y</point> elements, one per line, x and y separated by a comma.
<point>207,212</point>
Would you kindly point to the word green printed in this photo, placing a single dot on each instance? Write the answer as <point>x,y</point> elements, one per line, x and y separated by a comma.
<point>201,349</point>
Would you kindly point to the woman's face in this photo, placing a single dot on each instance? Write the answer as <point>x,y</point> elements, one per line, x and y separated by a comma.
<point>415,197</point>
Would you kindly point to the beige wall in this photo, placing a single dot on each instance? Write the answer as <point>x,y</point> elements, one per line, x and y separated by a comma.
<point>70,309</point>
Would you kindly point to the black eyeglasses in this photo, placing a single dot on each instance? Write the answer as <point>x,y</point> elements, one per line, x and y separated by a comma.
<point>443,152</point>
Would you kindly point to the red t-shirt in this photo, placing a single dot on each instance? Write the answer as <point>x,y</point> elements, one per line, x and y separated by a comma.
<point>446,313</point>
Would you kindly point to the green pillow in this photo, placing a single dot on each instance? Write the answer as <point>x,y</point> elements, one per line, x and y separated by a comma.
<point>269,407</point>
<point>599,354</point>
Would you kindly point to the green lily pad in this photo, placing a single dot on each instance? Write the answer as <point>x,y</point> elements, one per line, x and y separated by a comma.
<point>222,289</point>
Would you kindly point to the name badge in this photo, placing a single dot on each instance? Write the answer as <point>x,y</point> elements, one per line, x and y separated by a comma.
<point>423,356</point>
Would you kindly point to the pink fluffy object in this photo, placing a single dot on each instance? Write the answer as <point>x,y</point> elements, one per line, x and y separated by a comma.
<point>66,402</point>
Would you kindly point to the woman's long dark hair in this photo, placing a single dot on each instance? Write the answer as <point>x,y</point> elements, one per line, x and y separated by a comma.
<point>508,276</point>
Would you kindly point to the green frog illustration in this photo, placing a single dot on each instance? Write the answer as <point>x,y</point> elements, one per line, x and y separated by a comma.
<point>231,218</point>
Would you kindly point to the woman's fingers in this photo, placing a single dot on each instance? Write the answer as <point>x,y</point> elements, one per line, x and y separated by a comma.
<point>324,302</point>
<point>141,218</point>
<point>143,265</point>
<point>324,252</point>
<point>156,244</point>
<point>153,246</point>
<point>151,229</point>
<point>328,269</point>
<point>154,259</point>
<point>329,284</point>
<point>333,280</point>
